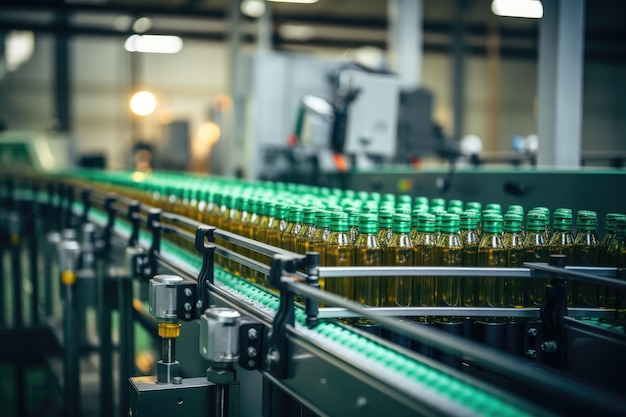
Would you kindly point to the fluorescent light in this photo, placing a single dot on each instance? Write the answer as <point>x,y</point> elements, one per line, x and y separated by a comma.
<point>532,9</point>
<point>157,44</point>
<point>19,47</point>
<point>295,1</point>
<point>253,8</point>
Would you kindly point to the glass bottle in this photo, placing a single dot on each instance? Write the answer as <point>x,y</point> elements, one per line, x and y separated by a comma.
<point>492,254</point>
<point>274,234</point>
<point>586,253</point>
<point>610,231</point>
<point>449,253</point>
<point>514,244</point>
<point>289,237</point>
<point>353,222</point>
<point>339,251</point>
<point>536,250</point>
<point>318,240</point>
<point>425,254</point>
<point>305,237</point>
<point>414,213</point>
<point>562,240</point>
<point>400,253</point>
<point>367,253</point>
<point>547,233</point>
<point>470,241</point>
<point>385,222</point>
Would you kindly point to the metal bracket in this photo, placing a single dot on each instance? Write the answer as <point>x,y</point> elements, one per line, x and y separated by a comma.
<point>140,266</point>
<point>204,233</point>
<point>186,298</point>
<point>279,354</point>
<point>250,343</point>
<point>108,230</point>
<point>311,268</point>
<point>154,225</point>
<point>68,216</point>
<point>133,218</point>
<point>552,312</point>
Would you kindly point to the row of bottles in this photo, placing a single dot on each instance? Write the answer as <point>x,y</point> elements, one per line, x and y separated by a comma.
<point>370,229</point>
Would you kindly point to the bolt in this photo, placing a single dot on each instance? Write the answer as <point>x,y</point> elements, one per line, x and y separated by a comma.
<point>272,356</point>
<point>532,332</point>
<point>252,352</point>
<point>361,402</point>
<point>252,334</point>
<point>531,353</point>
<point>177,380</point>
<point>187,306</point>
<point>188,292</point>
<point>550,346</point>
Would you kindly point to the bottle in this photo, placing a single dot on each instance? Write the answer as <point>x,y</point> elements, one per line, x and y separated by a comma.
<point>495,207</point>
<point>586,253</point>
<point>449,253</point>
<point>425,254</point>
<point>305,237</point>
<point>339,251</point>
<point>367,253</point>
<point>289,237</point>
<point>385,222</point>
<point>399,252</point>
<point>616,251</point>
<point>536,250</point>
<point>261,231</point>
<point>474,205</point>
<point>414,213</point>
<point>470,241</point>
<point>279,225</point>
<point>492,254</point>
<point>610,231</point>
<point>514,244</point>
<point>547,232</point>
<point>562,240</point>
<point>353,222</point>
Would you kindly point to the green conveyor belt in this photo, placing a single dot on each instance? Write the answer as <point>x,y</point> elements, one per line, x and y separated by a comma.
<point>470,397</point>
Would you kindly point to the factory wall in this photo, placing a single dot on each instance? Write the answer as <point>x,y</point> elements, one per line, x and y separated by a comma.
<point>186,83</point>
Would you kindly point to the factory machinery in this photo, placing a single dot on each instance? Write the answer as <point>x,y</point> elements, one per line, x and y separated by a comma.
<point>231,346</point>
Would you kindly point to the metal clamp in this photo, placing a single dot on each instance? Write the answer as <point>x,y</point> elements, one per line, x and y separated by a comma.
<point>552,312</point>
<point>206,277</point>
<point>154,225</point>
<point>250,343</point>
<point>108,230</point>
<point>85,197</point>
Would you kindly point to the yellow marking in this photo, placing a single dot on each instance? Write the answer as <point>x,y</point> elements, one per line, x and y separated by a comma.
<point>68,277</point>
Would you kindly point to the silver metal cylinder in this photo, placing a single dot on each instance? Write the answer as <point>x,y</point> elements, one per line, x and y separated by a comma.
<point>69,250</point>
<point>162,295</point>
<point>219,335</point>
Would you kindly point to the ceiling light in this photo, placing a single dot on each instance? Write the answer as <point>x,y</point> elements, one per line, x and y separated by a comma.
<point>157,44</point>
<point>142,25</point>
<point>532,9</point>
<point>253,8</point>
<point>296,32</point>
<point>143,103</point>
<point>295,1</point>
<point>19,47</point>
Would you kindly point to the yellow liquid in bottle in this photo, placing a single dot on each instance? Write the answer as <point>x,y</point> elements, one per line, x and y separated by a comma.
<point>399,289</point>
<point>449,253</point>
<point>367,253</point>
<point>338,251</point>
<point>491,253</point>
<point>425,254</point>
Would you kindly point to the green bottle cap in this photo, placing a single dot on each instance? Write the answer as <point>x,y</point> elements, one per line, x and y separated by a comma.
<point>415,212</point>
<point>562,220</point>
<point>611,221</point>
<point>322,219</point>
<point>438,202</point>
<point>515,208</point>
<point>385,219</point>
<point>455,210</point>
<point>426,223</point>
<point>455,203</point>
<point>586,220</point>
<point>404,210</point>
<point>282,210</point>
<point>420,201</point>
<point>450,223</point>
<point>494,206</point>
<point>269,208</point>
<point>513,222</point>
<point>401,223</point>
<point>389,197</point>
<point>309,215</point>
<point>469,220</point>
<point>368,223</point>
<point>295,214</point>
<point>474,205</point>
<point>405,199</point>
<point>338,222</point>
<point>620,226</point>
<point>438,219</point>
<point>370,207</point>
<point>535,221</point>
<point>492,223</point>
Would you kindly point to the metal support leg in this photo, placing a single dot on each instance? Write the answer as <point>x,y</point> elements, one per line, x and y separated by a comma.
<point>33,265</point>
<point>71,357</point>
<point>127,340</point>
<point>106,346</point>
<point>16,270</point>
